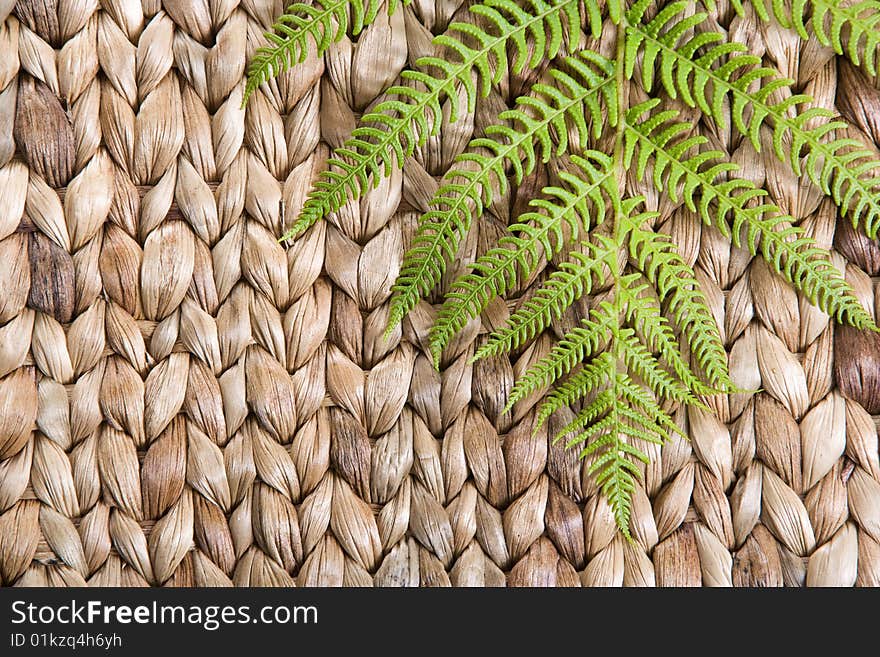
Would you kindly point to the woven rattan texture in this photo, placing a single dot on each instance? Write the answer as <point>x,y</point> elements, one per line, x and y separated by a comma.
<point>184,401</point>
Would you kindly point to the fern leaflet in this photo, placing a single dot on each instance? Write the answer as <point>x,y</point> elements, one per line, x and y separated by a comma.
<point>578,344</point>
<point>676,284</point>
<point>590,377</point>
<point>571,281</point>
<point>323,23</point>
<point>848,29</point>
<point>646,318</point>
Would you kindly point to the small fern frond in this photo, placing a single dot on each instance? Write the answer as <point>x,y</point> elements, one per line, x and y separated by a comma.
<point>616,476</point>
<point>323,23</point>
<point>639,359</point>
<point>570,282</point>
<point>612,424</point>
<point>579,206</point>
<point>844,169</point>
<point>578,344</point>
<point>638,397</point>
<point>850,29</point>
<point>577,386</point>
<point>471,184</point>
<point>643,313</point>
<point>681,169</point>
<point>394,128</point>
<point>592,420</point>
<point>676,285</point>
<point>610,429</point>
<point>619,338</point>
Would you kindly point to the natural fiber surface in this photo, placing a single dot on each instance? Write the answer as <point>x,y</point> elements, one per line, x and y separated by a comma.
<point>184,401</point>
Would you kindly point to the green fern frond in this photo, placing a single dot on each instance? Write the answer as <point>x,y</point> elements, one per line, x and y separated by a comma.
<point>591,420</point>
<point>578,344</point>
<point>587,422</point>
<point>638,397</point>
<point>392,131</point>
<point>683,170</point>
<point>645,316</point>
<point>618,340</point>
<point>573,280</point>
<point>610,428</point>
<point>676,285</point>
<point>471,184</point>
<point>577,386</point>
<point>639,359</point>
<point>850,29</point>
<point>844,169</point>
<point>323,23</point>
<point>579,205</point>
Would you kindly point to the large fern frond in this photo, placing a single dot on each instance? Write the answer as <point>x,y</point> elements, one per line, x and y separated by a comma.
<point>483,168</point>
<point>518,37</point>
<point>704,69</point>
<point>579,205</point>
<point>682,169</point>
<point>622,367</point>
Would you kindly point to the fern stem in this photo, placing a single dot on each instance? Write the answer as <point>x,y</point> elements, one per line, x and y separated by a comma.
<point>615,486</point>
<point>622,84</point>
<point>620,172</point>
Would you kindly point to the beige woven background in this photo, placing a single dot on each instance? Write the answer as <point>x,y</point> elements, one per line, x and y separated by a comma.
<point>184,401</point>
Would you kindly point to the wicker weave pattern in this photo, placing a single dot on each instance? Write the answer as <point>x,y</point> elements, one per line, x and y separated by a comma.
<point>184,401</point>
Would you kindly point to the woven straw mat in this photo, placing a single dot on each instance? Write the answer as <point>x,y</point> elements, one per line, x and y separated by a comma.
<point>185,401</point>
